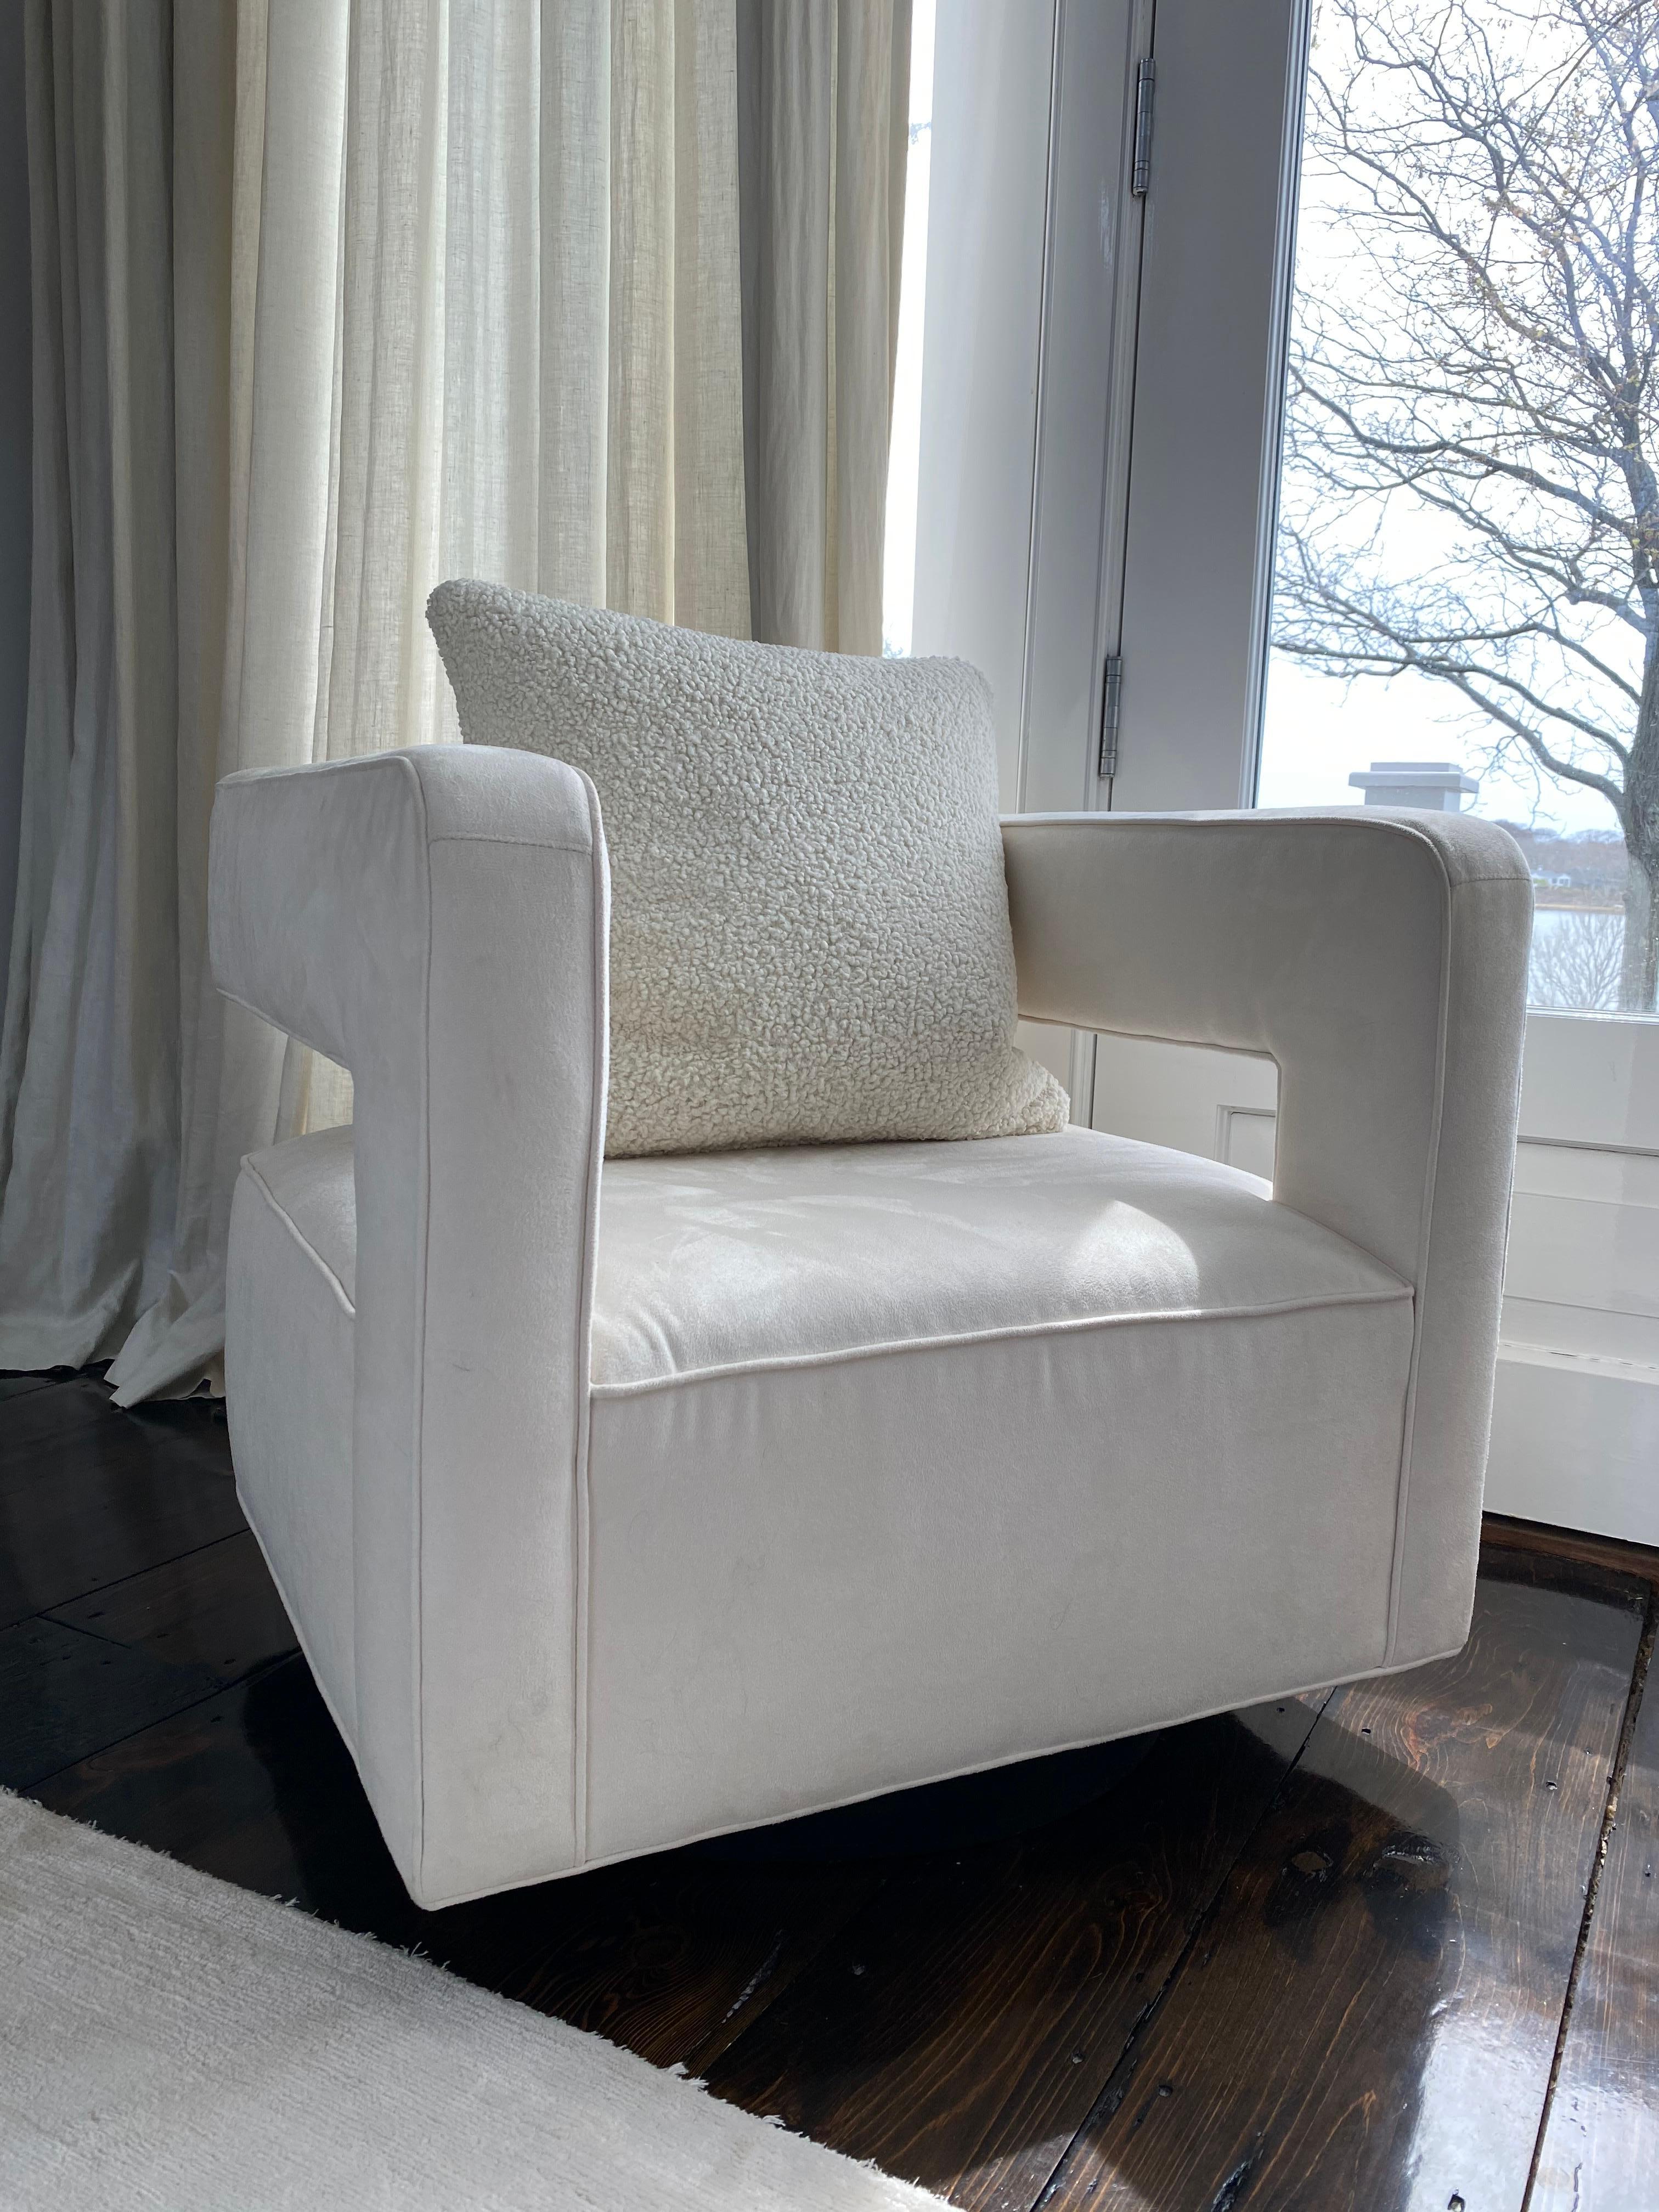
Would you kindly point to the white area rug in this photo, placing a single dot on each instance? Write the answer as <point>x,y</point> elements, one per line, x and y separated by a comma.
<point>169,2042</point>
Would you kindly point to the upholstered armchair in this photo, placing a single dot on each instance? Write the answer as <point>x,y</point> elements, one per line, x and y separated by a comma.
<point>621,1502</point>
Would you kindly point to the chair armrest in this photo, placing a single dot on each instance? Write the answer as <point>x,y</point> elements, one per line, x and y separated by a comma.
<point>1380,960</point>
<point>437,920</point>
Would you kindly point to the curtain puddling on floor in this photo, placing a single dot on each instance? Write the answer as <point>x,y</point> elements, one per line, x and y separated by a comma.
<point>333,299</point>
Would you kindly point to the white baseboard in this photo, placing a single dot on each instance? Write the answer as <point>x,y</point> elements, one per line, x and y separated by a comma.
<point>1575,1442</point>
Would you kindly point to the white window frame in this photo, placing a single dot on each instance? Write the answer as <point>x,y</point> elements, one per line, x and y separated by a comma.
<point>1098,370</point>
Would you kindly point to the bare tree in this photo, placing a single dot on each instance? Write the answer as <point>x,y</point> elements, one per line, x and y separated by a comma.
<point>1472,431</point>
<point>1577,959</point>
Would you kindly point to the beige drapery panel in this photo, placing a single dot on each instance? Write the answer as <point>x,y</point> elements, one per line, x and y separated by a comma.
<point>823,131</point>
<point>334,298</point>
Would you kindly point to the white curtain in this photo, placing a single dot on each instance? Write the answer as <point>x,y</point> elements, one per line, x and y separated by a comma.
<point>335,298</point>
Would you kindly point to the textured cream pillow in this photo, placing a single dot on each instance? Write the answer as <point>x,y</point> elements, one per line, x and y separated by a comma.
<point>809,930</point>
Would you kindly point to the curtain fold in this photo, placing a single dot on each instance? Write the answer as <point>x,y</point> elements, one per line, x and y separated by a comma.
<point>331,301</point>
<point>823,134</point>
<point>89,1091</point>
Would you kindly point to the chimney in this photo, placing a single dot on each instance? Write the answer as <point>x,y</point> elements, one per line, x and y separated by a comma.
<point>1438,785</point>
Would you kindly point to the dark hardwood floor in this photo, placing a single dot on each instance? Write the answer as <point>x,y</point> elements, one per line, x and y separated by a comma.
<point>1393,1946</point>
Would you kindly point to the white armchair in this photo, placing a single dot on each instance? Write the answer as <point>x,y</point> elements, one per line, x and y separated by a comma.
<point>617,1508</point>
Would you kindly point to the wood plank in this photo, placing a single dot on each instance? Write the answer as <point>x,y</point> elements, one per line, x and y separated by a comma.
<point>1601,2147</point>
<point>89,1495</point>
<point>671,1955</point>
<point>217,1609</point>
<point>34,1424</point>
<point>253,1785</point>
<point>43,1430</point>
<point>19,1385</point>
<point>959,2031</point>
<point>62,1695</point>
<point>1369,2017</point>
<point>1639,1560</point>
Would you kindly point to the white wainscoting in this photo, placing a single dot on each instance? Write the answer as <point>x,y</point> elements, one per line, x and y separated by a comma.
<point>1575,1420</point>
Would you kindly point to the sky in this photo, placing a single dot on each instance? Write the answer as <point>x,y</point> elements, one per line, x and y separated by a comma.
<point>1316,731</point>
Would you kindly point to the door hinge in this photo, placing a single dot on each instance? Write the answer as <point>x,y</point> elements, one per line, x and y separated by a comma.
<point>1140,166</point>
<point>1111,709</point>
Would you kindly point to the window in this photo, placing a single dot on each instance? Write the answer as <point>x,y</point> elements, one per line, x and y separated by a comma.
<point>1466,601</point>
<point>1422,310</point>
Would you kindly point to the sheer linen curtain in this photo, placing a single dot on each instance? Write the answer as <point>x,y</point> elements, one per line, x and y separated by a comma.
<point>823,133</point>
<point>332,299</point>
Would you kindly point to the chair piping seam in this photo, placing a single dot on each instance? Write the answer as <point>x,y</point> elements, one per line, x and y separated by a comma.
<point>295,1231</point>
<point>528,844</point>
<point>424,1202</point>
<point>1014,1332</point>
<point>581,1623</point>
<point>1424,1241</point>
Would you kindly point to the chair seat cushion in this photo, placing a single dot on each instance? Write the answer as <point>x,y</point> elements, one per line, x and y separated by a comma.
<point>724,1261</point>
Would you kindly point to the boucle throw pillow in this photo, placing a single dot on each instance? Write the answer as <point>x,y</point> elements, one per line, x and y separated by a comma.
<point>809,922</point>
